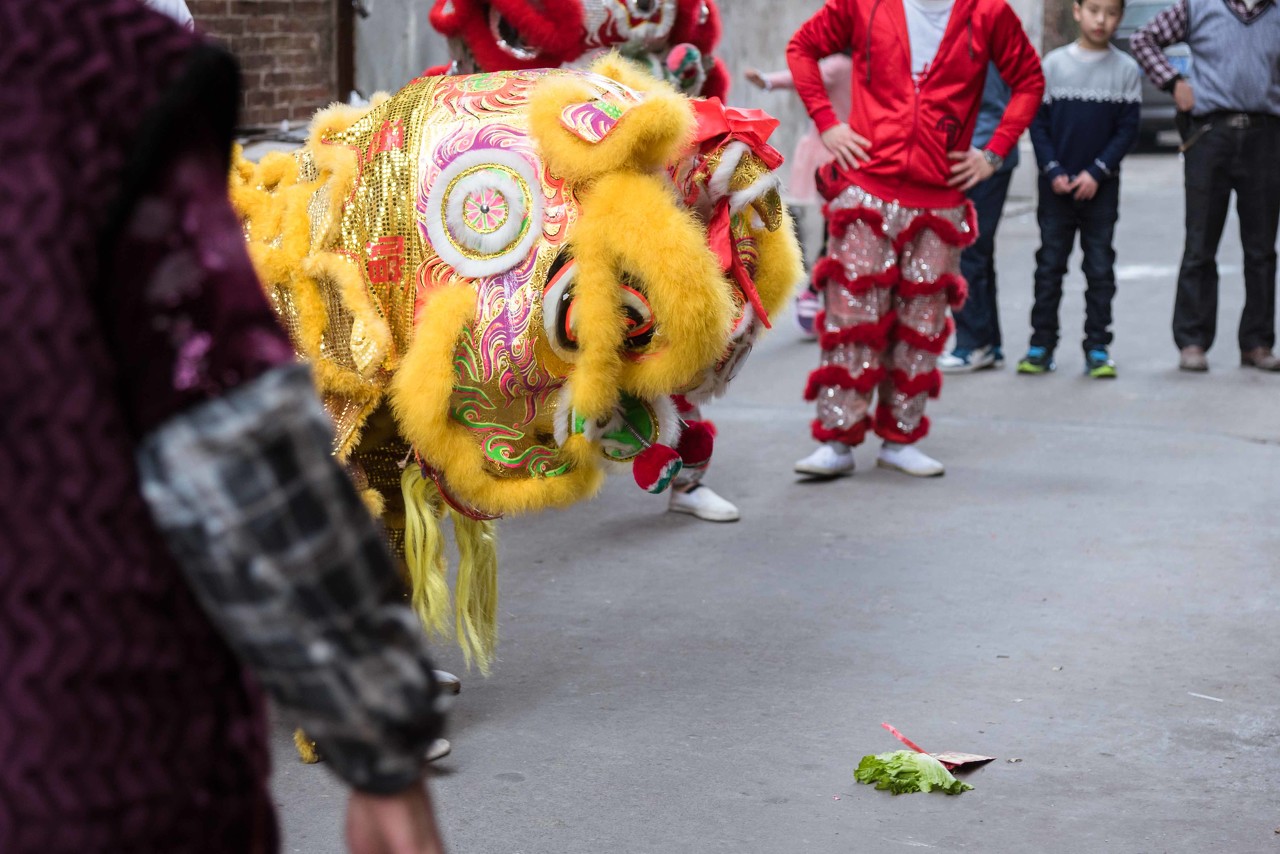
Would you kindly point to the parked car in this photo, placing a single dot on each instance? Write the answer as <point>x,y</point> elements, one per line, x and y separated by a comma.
<point>1158,109</point>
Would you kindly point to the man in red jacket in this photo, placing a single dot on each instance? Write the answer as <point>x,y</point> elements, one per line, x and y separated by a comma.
<point>896,206</point>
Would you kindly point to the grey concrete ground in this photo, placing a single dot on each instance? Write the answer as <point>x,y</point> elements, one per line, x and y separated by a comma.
<point>1098,557</point>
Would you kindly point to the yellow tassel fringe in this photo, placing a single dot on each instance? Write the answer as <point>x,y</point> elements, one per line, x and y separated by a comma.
<point>308,753</point>
<point>477,589</point>
<point>424,550</point>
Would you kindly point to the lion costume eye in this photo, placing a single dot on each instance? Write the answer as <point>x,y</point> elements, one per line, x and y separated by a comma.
<point>557,308</point>
<point>645,8</point>
<point>639,315</point>
<point>484,218</point>
<point>560,323</point>
<point>508,38</point>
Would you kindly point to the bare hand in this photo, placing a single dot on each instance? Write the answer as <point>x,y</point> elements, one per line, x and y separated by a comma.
<point>393,824</point>
<point>1183,97</point>
<point>970,169</point>
<point>1085,186</point>
<point>755,78</point>
<point>846,145</point>
<point>1062,185</point>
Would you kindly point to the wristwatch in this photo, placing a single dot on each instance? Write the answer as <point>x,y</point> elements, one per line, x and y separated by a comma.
<point>994,159</point>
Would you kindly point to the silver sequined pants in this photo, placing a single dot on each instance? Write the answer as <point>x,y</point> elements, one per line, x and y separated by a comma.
<point>889,276</point>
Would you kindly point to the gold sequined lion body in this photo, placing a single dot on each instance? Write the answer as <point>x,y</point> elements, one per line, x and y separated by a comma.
<point>501,280</point>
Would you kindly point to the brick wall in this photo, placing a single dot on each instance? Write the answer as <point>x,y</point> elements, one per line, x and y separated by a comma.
<point>286,50</point>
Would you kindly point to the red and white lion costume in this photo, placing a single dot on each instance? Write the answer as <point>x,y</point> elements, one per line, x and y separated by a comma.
<point>676,39</point>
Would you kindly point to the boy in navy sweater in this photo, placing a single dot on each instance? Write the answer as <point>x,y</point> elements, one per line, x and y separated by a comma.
<point>1088,122</point>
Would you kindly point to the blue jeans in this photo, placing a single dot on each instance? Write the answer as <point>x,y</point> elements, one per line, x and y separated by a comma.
<point>1060,218</point>
<point>978,323</point>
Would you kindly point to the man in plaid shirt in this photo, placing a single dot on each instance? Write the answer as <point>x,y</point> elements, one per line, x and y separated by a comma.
<point>1230,100</point>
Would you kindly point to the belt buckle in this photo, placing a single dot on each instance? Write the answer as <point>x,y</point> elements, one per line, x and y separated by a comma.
<point>1239,121</point>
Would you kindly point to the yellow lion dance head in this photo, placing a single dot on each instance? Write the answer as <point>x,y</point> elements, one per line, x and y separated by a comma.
<point>502,279</point>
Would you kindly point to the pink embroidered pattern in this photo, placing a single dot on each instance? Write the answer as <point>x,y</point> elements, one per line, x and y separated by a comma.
<point>485,210</point>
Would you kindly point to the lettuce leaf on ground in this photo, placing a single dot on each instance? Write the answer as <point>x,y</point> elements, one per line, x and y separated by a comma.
<point>907,771</point>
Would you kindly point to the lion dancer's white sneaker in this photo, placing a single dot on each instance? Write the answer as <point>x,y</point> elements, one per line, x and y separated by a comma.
<point>688,493</point>
<point>449,684</point>
<point>831,459</point>
<point>909,459</point>
<point>701,501</point>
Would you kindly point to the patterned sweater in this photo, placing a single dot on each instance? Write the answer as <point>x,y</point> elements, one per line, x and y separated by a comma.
<point>1089,118</point>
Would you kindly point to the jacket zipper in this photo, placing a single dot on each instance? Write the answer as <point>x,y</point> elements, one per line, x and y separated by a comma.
<point>916,81</point>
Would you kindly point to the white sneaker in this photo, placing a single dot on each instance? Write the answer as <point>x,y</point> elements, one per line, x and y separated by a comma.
<point>439,749</point>
<point>909,459</point>
<point>703,502</point>
<point>449,684</point>
<point>964,362</point>
<point>832,459</point>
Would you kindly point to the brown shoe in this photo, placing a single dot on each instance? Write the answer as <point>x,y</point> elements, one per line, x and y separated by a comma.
<point>1193,359</point>
<point>1261,358</point>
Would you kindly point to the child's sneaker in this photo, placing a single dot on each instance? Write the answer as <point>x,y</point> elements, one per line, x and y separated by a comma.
<point>961,361</point>
<point>808,304</point>
<point>1039,360</point>
<point>1098,364</point>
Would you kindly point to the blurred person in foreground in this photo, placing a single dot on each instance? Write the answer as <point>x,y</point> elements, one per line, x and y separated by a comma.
<point>172,517</point>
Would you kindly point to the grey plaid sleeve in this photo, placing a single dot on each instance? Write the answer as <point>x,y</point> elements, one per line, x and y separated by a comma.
<point>283,555</point>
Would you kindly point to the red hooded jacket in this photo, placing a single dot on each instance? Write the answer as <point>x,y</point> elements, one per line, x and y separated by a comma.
<point>913,124</point>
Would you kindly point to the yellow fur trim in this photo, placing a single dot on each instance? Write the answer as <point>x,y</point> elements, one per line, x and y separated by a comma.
<point>648,136</point>
<point>306,283</point>
<point>330,120</point>
<point>373,502</point>
<point>370,336</point>
<point>424,550</point>
<point>476,591</point>
<point>420,396</point>
<point>308,754</point>
<point>338,165</point>
<point>629,73</point>
<point>781,268</point>
<point>665,253</point>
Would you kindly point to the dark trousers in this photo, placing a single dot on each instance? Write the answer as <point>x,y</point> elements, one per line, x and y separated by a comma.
<point>1060,218</point>
<point>978,323</point>
<point>1246,160</point>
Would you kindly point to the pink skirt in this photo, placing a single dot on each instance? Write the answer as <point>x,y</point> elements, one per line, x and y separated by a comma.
<point>810,155</point>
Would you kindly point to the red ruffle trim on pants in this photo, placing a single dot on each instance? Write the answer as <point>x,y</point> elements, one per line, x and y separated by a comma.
<point>928,343</point>
<point>874,335</point>
<point>947,231</point>
<point>953,283</point>
<point>841,220</point>
<point>850,436</point>
<point>887,428</point>
<point>836,376</point>
<point>831,270</point>
<point>929,383</point>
